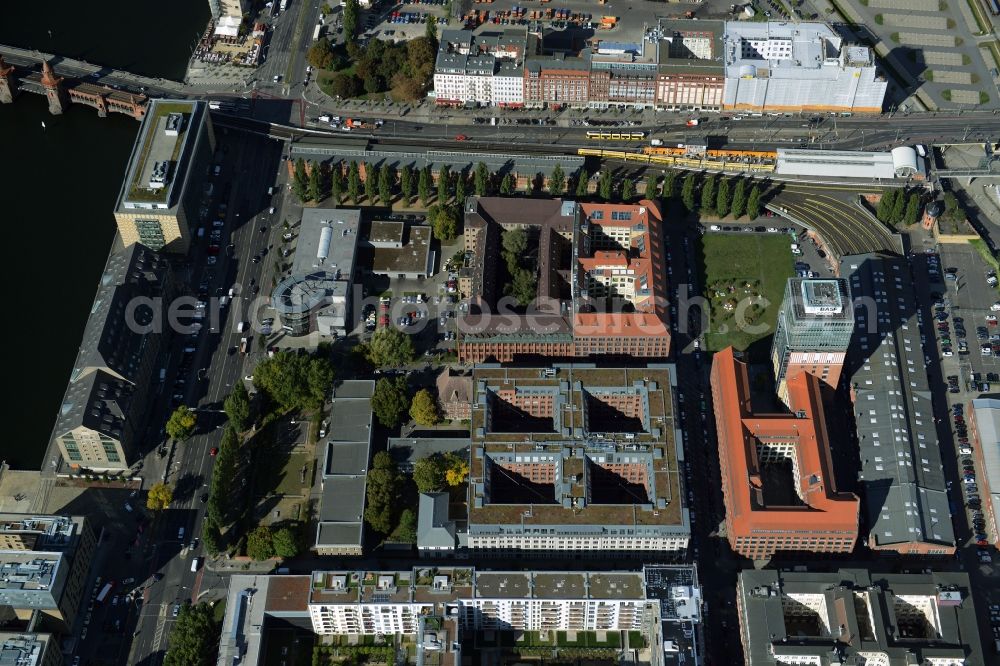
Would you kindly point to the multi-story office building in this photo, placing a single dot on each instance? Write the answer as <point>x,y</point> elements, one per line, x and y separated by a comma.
<point>575,459</point>
<point>815,324</point>
<point>438,605</point>
<point>984,434</point>
<point>105,401</point>
<point>708,65</point>
<point>485,68</point>
<point>796,67</point>
<point>340,521</point>
<point>690,74</point>
<point>777,476</point>
<point>316,295</point>
<point>29,649</point>
<point>853,616</point>
<point>623,74</point>
<point>901,472</point>
<point>161,195</point>
<point>230,8</point>
<point>601,286</point>
<point>45,564</point>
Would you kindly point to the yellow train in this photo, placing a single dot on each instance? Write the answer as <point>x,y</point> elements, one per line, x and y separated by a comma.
<point>605,135</point>
<point>694,162</point>
<point>715,153</point>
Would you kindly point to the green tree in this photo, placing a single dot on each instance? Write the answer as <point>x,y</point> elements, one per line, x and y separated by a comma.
<point>670,185</point>
<point>314,190</point>
<point>582,183</point>
<point>237,407</point>
<point>605,186</point>
<point>430,30</point>
<point>444,221</point>
<point>424,186</point>
<point>515,244</point>
<point>898,208</point>
<point>295,381</point>
<point>460,189</point>
<point>885,204</point>
<point>481,179</point>
<point>913,207</point>
<point>443,183</point>
<point>344,85</point>
<point>336,184</point>
<point>708,195</point>
<point>429,473</point>
<point>507,185</point>
<point>211,536</point>
<point>260,545</point>
<point>159,497</point>
<point>457,472</point>
<point>371,183</point>
<point>385,185</point>
<point>628,190</point>
<point>354,183</point>
<point>406,531</point>
<point>181,423</point>
<point>952,210</point>
<point>320,54</point>
<point>286,542</point>
<point>753,202</point>
<point>406,184</point>
<point>723,198</point>
<point>557,181</point>
<point>424,409</point>
<point>390,400</point>
<point>382,493</point>
<point>687,192</point>
<point>194,637</point>
<point>652,190</point>
<point>389,346</point>
<point>739,205</point>
<point>300,180</point>
<point>352,10</point>
<point>524,286</point>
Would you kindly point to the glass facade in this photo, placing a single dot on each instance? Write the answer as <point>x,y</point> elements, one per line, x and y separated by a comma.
<point>150,233</point>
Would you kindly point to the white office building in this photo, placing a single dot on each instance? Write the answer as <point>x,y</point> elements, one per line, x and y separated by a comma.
<point>792,67</point>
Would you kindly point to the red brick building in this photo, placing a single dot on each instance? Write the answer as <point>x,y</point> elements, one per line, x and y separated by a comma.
<point>601,274</point>
<point>777,477</point>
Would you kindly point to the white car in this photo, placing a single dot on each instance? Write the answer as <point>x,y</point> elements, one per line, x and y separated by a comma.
<point>715,227</point>
<point>965,451</point>
<point>991,317</point>
<point>772,230</point>
<point>995,307</point>
<point>947,352</point>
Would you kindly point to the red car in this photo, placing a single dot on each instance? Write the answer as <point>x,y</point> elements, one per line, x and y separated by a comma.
<point>461,137</point>
<point>213,249</point>
<point>214,451</point>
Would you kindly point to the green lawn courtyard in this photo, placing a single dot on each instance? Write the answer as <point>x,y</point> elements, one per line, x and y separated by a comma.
<point>744,278</point>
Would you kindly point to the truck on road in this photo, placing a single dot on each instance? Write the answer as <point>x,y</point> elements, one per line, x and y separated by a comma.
<point>244,345</point>
<point>103,594</point>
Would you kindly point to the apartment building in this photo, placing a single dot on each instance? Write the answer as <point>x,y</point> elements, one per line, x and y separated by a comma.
<point>777,477</point>
<point>105,401</point>
<point>623,74</point>
<point>437,608</point>
<point>854,616</point>
<point>485,68</point>
<point>575,459</point>
<point>162,195</point>
<point>902,476</point>
<point>44,565</point>
<point>601,289</point>
<point>798,67</point>
<point>814,329</point>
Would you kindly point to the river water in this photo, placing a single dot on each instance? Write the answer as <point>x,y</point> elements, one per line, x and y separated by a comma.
<point>58,186</point>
